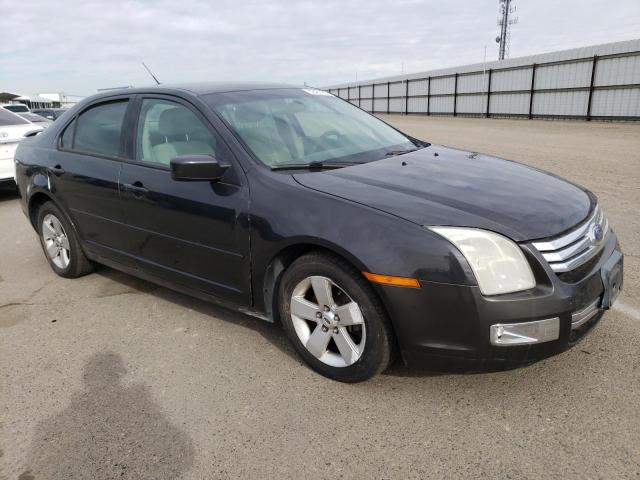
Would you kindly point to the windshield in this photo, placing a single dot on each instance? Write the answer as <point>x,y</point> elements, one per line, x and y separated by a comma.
<point>17,108</point>
<point>8,118</point>
<point>32,117</point>
<point>304,126</point>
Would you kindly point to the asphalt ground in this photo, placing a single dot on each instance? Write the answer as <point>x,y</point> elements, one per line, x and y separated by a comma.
<point>109,376</point>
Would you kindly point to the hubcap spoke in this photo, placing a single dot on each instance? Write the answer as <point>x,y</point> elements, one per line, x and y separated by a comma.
<point>349,314</point>
<point>322,290</point>
<point>346,346</point>
<point>48,231</point>
<point>64,241</point>
<point>53,250</point>
<point>304,309</point>
<point>318,341</point>
<point>57,226</point>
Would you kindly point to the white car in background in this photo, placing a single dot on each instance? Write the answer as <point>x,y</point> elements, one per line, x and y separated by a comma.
<point>15,107</point>
<point>13,129</point>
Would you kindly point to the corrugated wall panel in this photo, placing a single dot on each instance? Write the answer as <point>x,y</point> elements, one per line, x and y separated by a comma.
<point>473,83</point>
<point>616,102</point>
<point>442,85</point>
<point>563,76</point>
<point>380,104</point>
<point>441,105</point>
<point>396,105</point>
<point>511,80</point>
<point>471,104</point>
<point>381,90</point>
<point>418,87</point>
<point>618,71</point>
<point>366,105</point>
<point>510,103</point>
<point>418,105</point>
<point>560,103</point>
<point>397,89</point>
<point>365,91</point>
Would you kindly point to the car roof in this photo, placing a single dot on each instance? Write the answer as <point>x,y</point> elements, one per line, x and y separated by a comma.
<point>198,89</point>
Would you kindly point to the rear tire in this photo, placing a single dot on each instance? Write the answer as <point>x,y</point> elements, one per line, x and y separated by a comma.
<point>60,243</point>
<point>334,319</point>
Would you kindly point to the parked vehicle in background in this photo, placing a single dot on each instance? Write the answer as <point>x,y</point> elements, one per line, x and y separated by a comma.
<point>37,119</point>
<point>13,128</point>
<point>291,204</point>
<point>50,113</point>
<point>15,107</point>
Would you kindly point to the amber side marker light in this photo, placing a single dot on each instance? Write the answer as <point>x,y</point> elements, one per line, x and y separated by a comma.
<point>390,280</point>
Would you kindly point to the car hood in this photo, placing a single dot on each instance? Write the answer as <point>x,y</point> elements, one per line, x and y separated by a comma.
<point>443,186</point>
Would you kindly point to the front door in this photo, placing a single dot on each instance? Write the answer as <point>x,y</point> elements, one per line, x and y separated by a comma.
<point>190,233</point>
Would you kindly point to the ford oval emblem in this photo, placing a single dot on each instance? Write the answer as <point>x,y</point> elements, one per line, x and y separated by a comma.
<point>597,233</point>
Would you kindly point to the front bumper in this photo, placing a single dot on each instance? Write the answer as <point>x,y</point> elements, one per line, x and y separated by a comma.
<point>451,326</point>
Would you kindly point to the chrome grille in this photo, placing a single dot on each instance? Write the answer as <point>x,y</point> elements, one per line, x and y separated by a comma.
<point>573,249</point>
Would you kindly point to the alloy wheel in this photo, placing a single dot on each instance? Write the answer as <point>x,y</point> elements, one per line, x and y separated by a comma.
<point>328,322</point>
<point>56,241</point>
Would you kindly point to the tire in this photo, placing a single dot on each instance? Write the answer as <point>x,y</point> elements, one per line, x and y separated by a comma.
<point>343,342</point>
<point>58,235</point>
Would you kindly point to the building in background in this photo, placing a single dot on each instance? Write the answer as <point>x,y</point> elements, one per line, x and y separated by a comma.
<point>42,100</point>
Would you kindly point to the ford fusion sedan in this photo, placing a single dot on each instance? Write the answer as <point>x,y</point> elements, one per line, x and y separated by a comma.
<point>295,206</point>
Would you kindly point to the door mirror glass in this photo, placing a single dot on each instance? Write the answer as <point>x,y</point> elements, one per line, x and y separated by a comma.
<point>197,167</point>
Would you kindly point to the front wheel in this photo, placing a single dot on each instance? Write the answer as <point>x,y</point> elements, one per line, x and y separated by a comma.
<point>334,319</point>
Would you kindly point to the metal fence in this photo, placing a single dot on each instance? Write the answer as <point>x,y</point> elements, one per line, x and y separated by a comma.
<point>603,87</point>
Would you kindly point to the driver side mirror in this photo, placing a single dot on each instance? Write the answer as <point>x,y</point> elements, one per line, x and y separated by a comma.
<point>197,167</point>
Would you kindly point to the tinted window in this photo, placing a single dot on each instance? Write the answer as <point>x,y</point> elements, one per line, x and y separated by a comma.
<point>66,140</point>
<point>167,129</point>
<point>8,118</point>
<point>99,129</point>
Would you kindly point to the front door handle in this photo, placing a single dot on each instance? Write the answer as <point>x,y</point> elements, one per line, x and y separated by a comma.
<point>137,188</point>
<point>57,170</point>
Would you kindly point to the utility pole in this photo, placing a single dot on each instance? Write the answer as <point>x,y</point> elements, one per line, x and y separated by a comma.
<point>505,20</point>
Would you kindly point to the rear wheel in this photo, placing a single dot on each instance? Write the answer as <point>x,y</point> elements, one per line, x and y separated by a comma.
<point>60,243</point>
<point>334,319</point>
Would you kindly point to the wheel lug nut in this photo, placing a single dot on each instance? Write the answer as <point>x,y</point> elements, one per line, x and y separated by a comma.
<point>326,309</point>
<point>335,330</point>
<point>336,318</point>
<point>318,315</point>
<point>324,328</point>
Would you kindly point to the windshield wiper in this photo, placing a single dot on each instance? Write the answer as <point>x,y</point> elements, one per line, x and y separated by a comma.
<point>310,166</point>
<point>394,153</point>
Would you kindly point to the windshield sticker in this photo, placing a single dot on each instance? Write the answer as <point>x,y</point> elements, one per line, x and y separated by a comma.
<point>314,91</point>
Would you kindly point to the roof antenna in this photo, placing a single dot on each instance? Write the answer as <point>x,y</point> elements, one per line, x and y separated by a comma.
<point>151,73</point>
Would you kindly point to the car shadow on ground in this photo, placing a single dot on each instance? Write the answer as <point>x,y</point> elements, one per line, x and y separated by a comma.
<point>272,332</point>
<point>109,430</point>
<point>8,193</point>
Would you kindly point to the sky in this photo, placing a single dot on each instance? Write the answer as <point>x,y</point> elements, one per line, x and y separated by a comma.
<point>79,46</point>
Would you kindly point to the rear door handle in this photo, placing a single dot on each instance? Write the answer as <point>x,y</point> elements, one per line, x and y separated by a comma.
<point>57,170</point>
<point>137,188</point>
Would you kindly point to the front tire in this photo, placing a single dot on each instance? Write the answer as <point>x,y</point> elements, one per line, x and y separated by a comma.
<point>334,319</point>
<point>60,243</point>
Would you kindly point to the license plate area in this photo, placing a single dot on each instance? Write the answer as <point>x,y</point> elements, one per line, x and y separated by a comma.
<point>612,278</point>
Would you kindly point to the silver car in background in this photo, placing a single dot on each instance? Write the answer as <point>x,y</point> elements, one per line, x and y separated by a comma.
<point>13,129</point>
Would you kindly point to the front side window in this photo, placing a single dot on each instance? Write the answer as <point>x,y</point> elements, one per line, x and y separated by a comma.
<point>99,129</point>
<point>301,126</point>
<point>168,129</point>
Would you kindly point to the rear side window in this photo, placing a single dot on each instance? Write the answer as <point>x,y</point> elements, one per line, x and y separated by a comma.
<point>99,129</point>
<point>66,139</point>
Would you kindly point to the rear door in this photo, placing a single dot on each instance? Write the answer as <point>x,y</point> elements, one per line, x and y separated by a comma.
<point>190,233</point>
<point>84,174</point>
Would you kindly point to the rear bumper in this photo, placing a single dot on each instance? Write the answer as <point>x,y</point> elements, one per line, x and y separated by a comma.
<point>450,326</point>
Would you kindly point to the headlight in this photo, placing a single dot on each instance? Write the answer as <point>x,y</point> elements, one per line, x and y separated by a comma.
<point>498,263</point>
